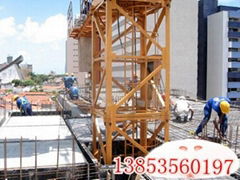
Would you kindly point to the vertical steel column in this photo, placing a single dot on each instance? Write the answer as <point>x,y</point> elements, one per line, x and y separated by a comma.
<point>166,57</point>
<point>94,40</point>
<point>108,63</point>
<point>143,74</point>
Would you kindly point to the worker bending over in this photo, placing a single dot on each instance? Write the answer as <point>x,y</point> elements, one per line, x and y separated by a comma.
<point>73,92</point>
<point>182,109</point>
<point>24,105</point>
<point>221,107</point>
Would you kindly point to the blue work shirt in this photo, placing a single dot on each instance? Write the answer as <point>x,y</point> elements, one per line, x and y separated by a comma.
<point>21,102</point>
<point>214,103</point>
<point>68,81</point>
<point>74,91</point>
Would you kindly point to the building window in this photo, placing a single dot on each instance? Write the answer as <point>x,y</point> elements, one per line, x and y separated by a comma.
<point>233,59</point>
<point>233,30</point>
<point>233,39</point>
<point>234,19</point>
<point>233,49</point>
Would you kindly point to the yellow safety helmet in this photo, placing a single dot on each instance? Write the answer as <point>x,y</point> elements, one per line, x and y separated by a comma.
<point>225,107</point>
<point>15,97</point>
<point>72,74</point>
<point>66,74</point>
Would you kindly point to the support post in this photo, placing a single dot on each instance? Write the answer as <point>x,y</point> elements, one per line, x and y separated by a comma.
<point>108,63</point>
<point>167,66</point>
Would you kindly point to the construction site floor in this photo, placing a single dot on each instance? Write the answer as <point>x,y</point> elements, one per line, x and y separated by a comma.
<point>43,152</point>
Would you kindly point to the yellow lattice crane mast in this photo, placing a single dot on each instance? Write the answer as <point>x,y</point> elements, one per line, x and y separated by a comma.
<point>131,72</point>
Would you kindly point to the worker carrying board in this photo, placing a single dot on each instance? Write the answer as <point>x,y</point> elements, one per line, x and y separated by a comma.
<point>220,107</point>
<point>24,105</point>
<point>182,110</point>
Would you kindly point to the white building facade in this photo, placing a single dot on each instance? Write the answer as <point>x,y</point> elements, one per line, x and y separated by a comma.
<point>223,67</point>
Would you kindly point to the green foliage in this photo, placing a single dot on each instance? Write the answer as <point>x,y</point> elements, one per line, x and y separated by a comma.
<point>39,78</point>
<point>28,83</point>
<point>35,79</point>
<point>17,82</point>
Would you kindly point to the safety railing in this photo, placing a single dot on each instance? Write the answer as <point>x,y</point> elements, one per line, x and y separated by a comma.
<point>71,170</point>
<point>3,111</point>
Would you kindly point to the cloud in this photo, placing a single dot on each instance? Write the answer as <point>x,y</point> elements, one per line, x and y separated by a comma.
<point>53,29</point>
<point>7,27</point>
<point>42,44</point>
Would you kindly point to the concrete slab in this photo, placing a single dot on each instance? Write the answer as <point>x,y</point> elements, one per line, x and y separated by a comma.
<point>46,129</point>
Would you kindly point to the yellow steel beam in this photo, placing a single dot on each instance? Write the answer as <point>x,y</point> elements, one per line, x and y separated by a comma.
<point>124,129</point>
<point>100,87</point>
<point>99,28</point>
<point>135,143</point>
<point>137,25</point>
<point>119,85</point>
<point>154,135</point>
<point>156,27</point>
<point>166,54</point>
<point>142,83</point>
<point>100,141</point>
<point>108,118</point>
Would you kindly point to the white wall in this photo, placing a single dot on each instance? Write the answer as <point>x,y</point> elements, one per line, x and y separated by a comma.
<point>72,61</point>
<point>217,65</point>
<point>9,74</point>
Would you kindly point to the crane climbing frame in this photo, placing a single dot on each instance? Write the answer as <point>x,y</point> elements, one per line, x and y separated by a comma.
<point>130,116</point>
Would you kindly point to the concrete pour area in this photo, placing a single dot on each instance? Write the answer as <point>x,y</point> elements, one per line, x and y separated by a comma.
<point>54,145</point>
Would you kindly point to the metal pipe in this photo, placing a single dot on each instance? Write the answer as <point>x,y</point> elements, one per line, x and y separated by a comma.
<point>5,158</point>
<point>21,158</point>
<point>236,140</point>
<point>36,158</point>
<point>58,155</point>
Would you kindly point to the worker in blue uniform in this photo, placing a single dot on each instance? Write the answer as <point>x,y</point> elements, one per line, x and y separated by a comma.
<point>24,105</point>
<point>69,80</point>
<point>66,80</point>
<point>73,92</point>
<point>221,105</point>
<point>72,79</point>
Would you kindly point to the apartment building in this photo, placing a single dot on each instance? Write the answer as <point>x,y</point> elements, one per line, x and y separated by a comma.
<point>72,60</point>
<point>223,66</point>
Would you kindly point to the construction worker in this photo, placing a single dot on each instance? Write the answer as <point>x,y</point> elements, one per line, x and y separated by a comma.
<point>221,107</point>
<point>65,80</point>
<point>24,105</point>
<point>182,109</point>
<point>73,92</point>
<point>69,80</point>
<point>72,79</point>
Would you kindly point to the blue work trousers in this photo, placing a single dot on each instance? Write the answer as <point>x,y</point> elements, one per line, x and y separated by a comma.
<point>207,115</point>
<point>26,110</point>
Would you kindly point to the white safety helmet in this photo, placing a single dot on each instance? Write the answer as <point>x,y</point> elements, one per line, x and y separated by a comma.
<point>182,98</point>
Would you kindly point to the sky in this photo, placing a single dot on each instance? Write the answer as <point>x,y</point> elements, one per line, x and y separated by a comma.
<point>37,29</point>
